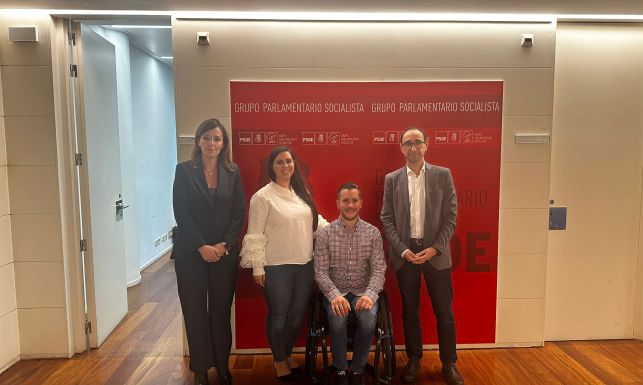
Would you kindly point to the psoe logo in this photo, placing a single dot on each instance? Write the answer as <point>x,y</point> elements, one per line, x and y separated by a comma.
<point>441,137</point>
<point>245,138</point>
<point>307,138</point>
<point>379,137</point>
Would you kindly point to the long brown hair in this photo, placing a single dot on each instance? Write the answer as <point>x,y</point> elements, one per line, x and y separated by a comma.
<point>297,182</point>
<point>225,155</point>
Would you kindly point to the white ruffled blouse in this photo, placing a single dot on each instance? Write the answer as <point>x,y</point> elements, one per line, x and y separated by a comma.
<point>279,229</point>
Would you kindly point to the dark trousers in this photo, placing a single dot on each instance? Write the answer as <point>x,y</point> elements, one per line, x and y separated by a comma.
<point>287,293</point>
<point>438,283</point>
<point>206,291</point>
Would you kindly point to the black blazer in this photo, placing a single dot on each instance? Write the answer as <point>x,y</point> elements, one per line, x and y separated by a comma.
<point>200,219</point>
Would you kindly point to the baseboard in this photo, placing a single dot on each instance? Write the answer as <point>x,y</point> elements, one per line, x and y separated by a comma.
<point>503,345</point>
<point>134,282</point>
<point>10,363</point>
<point>156,258</point>
<point>40,356</point>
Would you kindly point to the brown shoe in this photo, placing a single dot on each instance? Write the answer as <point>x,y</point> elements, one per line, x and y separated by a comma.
<point>451,374</point>
<point>411,370</point>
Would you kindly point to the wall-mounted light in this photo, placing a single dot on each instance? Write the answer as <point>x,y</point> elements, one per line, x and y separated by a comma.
<point>20,34</point>
<point>203,38</point>
<point>527,40</point>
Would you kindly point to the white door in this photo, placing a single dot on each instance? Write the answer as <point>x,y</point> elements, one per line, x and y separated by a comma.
<point>105,264</point>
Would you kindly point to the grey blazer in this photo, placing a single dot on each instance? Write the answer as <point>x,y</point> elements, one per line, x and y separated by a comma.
<point>440,214</point>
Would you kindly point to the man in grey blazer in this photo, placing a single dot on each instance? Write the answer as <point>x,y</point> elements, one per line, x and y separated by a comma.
<point>418,215</point>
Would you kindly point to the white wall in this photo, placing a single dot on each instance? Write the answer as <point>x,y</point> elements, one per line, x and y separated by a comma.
<point>33,319</point>
<point>597,155</point>
<point>10,346</point>
<point>299,51</point>
<point>154,136</point>
<point>638,312</point>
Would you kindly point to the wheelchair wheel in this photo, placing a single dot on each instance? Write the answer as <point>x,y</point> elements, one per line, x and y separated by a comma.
<point>316,339</point>
<point>385,345</point>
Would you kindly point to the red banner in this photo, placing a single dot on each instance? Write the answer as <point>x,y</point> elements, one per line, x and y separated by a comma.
<point>349,131</point>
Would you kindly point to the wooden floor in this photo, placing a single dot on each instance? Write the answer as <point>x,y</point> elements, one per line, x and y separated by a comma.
<point>146,348</point>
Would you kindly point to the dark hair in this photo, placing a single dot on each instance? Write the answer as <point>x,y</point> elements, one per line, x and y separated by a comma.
<point>296,180</point>
<point>225,155</point>
<point>348,186</point>
<point>410,129</point>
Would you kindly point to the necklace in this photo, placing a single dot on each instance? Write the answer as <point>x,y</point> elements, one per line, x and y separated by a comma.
<point>210,173</point>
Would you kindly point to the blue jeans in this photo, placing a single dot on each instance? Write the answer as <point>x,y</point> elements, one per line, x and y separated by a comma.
<point>363,335</point>
<point>287,293</point>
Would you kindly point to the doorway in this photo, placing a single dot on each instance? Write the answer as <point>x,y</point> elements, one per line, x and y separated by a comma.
<point>122,93</point>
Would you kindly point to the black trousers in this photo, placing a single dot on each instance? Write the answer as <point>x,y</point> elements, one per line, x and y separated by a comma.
<point>439,286</point>
<point>206,291</point>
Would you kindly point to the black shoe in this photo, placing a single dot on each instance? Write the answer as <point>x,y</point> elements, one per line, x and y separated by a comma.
<point>225,379</point>
<point>357,379</point>
<point>341,377</point>
<point>411,370</point>
<point>451,374</point>
<point>201,378</point>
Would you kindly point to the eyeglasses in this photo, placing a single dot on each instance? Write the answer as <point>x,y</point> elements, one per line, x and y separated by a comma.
<point>410,143</point>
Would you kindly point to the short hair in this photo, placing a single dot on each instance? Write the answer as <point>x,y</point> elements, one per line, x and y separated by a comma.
<point>413,128</point>
<point>348,186</point>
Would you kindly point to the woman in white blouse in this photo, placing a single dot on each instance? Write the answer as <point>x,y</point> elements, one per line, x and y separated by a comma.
<point>279,248</point>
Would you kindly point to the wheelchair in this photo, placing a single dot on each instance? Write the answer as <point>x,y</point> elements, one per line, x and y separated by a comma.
<point>383,368</point>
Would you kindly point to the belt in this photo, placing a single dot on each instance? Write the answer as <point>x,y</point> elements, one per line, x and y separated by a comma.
<point>417,241</point>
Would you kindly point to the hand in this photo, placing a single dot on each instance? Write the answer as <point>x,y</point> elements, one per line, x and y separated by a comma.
<point>340,306</point>
<point>364,303</point>
<point>409,256</point>
<point>221,250</point>
<point>425,255</point>
<point>260,280</point>
<point>209,253</point>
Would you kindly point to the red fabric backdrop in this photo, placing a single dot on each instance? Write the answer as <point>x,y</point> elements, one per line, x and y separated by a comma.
<point>349,131</point>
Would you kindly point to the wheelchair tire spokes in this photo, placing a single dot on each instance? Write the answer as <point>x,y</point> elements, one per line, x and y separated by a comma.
<point>384,343</point>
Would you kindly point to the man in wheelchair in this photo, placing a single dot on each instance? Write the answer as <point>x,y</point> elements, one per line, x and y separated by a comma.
<point>349,270</point>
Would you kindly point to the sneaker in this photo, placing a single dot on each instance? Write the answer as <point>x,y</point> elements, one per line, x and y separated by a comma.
<point>341,378</point>
<point>357,379</point>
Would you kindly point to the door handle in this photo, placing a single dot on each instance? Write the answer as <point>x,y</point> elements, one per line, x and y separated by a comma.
<point>119,208</point>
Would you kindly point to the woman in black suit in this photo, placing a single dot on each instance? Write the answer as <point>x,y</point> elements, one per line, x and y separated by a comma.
<point>208,208</point>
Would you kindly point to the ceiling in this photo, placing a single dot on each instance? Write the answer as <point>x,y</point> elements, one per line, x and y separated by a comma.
<point>151,34</point>
<point>158,42</point>
<point>461,6</point>
<point>155,41</point>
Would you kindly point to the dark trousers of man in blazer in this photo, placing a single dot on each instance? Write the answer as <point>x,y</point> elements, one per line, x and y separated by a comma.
<point>439,224</point>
